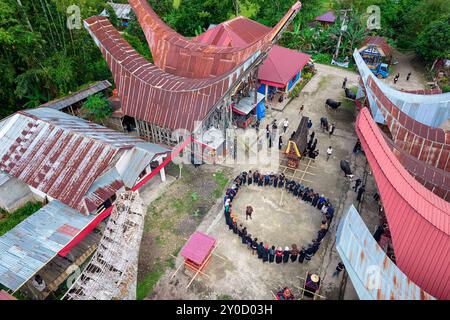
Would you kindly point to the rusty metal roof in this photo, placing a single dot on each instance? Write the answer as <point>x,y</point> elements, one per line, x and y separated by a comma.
<point>175,54</point>
<point>31,244</point>
<point>431,145</point>
<point>62,156</point>
<point>419,221</point>
<point>82,94</point>
<point>238,33</point>
<point>374,276</point>
<point>434,179</point>
<point>155,96</point>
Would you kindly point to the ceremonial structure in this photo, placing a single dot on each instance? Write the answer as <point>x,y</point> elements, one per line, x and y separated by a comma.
<point>192,86</point>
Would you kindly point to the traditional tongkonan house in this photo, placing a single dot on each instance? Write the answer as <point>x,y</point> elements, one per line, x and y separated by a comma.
<point>192,86</point>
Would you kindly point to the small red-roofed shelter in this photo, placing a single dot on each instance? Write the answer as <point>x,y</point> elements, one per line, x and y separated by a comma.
<point>197,251</point>
<point>326,19</point>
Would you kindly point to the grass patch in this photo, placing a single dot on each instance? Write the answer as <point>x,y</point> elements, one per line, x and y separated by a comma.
<point>221,181</point>
<point>145,287</point>
<point>224,297</point>
<point>10,220</point>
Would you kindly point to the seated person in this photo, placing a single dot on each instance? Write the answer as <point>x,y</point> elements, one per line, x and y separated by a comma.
<point>285,294</point>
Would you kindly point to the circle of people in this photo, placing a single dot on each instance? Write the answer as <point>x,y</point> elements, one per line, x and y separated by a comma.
<point>262,249</point>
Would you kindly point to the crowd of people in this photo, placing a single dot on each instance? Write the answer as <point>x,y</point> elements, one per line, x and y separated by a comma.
<point>264,251</point>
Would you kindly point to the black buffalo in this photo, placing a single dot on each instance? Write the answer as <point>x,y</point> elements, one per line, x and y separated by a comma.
<point>332,104</point>
<point>349,94</point>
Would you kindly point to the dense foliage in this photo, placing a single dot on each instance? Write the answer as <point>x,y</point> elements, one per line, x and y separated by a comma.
<point>10,220</point>
<point>96,108</point>
<point>42,59</point>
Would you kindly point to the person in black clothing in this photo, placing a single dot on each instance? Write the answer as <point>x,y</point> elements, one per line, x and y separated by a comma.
<point>360,193</point>
<point>378,233</point>
<point>286,254</point>
<point>249,241</point>
<point>267,132</point>
<point>357,183</point>
<point>280,143</point>
<point>275,181</point>
<point>272,254</point>
<point>244,235</point>
<point>311,136</point>
<point>344,84</point>
<point>294,253</point>
<point>315,200</point>
<point>321,234</point>
<point>260,250</point>
<point>301,255</point>
<point>254,245</point>
<point>376,196</point>
<point>314,145</point>
<point>265,253</point>
<point>244,177</point>
<point>408,76</point>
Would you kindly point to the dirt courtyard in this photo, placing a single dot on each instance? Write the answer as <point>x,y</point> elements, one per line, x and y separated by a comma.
<point>235,273</point>
<point>292,221</point>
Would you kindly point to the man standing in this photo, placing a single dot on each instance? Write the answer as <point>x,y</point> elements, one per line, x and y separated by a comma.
<point>357,183</point>
<point>344,84</point>
<point>331,129</point>
<point>339,268</point>
<point>285,124</point>
<point>408,76</point>
<point>329,152</point>
<point>360,193</point>
<point>248,212</point>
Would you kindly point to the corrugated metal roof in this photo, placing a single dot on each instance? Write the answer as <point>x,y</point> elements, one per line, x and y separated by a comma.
<point>374,276</point>
<point>238,33</point>
<point>62,155</point>
<point>26,248</point>
<point>431,145</point>
<point>419,221</point>
<point>177,55</point>
<point>282,65</point>
<point>4,178</point>
<point>152,95</point>
<point>122,10</point>
<point>434,179</point>
<point>430,109</point>
<point>64,102</point>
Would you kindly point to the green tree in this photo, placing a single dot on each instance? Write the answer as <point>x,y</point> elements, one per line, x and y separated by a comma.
<point>96,108</point>
<point>112,16</point>
<point>434,41</point>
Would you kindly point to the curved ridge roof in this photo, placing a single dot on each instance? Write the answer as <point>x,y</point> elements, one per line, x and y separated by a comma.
<point>419,220</point>
<point>175,54</point>
<point>151,94</point>
<point>429,109</point>
<point>431,145</point>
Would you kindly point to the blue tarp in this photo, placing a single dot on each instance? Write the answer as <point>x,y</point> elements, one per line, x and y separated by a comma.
<point>261,109</point>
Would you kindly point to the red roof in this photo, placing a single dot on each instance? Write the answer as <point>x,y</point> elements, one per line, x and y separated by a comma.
<point>431,145</point>
<point>282,65</point>
<point>6,296</point>
<point>238,32</point>
<point>150,94</point>
<point>328,17</point>
<point>419,221</point>
<point>177,55</point>
<point>198,247</point>
<point>379,42</point>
